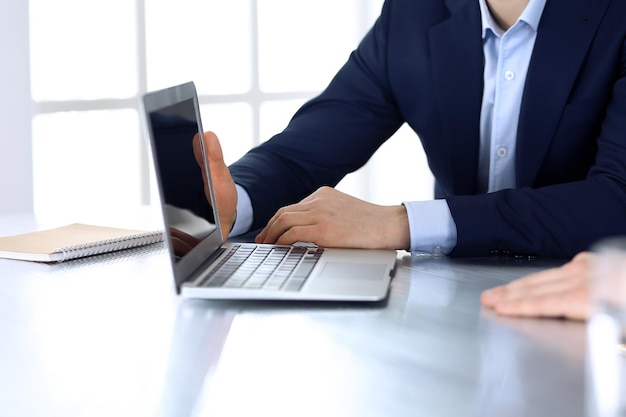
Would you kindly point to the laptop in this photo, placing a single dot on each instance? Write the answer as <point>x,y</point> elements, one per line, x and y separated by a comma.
<point>206,266</point>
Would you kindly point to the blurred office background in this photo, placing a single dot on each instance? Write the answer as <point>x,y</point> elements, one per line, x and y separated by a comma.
<point>74,70</point>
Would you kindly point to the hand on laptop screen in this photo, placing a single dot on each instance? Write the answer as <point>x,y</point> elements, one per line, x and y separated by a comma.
<point>186,206</point>
<point>223,184</point>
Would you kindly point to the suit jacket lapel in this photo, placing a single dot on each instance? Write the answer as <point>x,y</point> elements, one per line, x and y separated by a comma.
<point>457,65</point>
<point>565,32</point>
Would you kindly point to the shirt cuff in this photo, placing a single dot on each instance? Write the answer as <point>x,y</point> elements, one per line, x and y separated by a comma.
<point>431,226</point>
<point>244,212</point>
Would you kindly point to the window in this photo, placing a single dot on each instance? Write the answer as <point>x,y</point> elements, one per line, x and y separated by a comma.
<point>254,63</point>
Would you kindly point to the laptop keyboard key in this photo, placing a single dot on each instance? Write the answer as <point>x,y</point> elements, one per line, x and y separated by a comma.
<point>264,267</point>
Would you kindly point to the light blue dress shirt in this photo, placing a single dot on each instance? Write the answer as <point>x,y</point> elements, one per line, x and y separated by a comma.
<point>507,55</point>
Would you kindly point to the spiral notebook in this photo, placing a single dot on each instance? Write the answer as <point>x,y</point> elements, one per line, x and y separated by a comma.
<point>73,241</point>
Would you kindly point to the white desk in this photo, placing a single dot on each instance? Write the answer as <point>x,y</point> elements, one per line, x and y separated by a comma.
<point>108,337</point>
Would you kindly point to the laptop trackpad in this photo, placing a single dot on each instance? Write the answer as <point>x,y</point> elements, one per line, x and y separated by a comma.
<point>352,271</point>
<point>349,278</point>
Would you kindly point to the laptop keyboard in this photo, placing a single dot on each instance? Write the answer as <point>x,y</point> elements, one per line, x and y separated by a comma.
<point>264,267</point>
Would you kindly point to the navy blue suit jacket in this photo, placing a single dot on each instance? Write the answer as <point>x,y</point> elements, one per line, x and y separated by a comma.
<point>422,63</point>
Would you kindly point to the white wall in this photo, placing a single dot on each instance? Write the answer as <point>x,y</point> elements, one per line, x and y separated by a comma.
<point>16,109</point>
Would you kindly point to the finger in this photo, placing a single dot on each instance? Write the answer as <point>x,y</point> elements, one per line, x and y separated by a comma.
<point>541,278</point>
<point>295,234</point>
<point>308,203</point>
<point>197,149</point>
<point>260,238</point>
<point>571,304</point>
<point>283,221</point>
<point>545,282</point>
<point>293,208</point>
<point>211,145</point>
<point>490,297</point>
<point>198,155</point>
<point>197,152</point>
<point>546,288</point>
<point>503,292</point>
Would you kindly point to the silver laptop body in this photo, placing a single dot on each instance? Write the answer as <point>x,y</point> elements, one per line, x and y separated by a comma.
<point>202,261</point>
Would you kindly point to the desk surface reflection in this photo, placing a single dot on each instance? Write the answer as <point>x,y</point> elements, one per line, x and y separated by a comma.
<point>107,336</point>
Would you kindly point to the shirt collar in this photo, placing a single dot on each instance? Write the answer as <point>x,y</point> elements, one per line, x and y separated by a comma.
<point>531,16</point>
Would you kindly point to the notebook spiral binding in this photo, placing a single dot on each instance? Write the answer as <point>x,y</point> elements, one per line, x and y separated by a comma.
<point>109,245</point>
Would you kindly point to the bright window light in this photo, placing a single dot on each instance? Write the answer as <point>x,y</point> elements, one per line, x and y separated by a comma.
<point>83,50</point>
<point>303,44</point>
<point>254,62</point>
<point>208,42</point>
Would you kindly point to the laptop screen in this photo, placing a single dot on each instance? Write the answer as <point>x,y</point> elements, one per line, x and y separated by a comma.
<point>173,120</point>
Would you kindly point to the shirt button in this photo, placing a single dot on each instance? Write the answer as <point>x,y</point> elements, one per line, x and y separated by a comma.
<point>501,152</point>
<point>509,75</point>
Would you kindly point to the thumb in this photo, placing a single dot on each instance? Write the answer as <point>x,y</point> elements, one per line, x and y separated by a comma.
<point>211,146</point>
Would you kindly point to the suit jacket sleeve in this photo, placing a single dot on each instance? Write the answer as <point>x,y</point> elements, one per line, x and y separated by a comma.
<point>422,63</point>
<point>330,136</point>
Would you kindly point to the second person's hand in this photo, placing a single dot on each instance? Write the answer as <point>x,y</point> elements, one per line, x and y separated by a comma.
<point>555,292</point>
